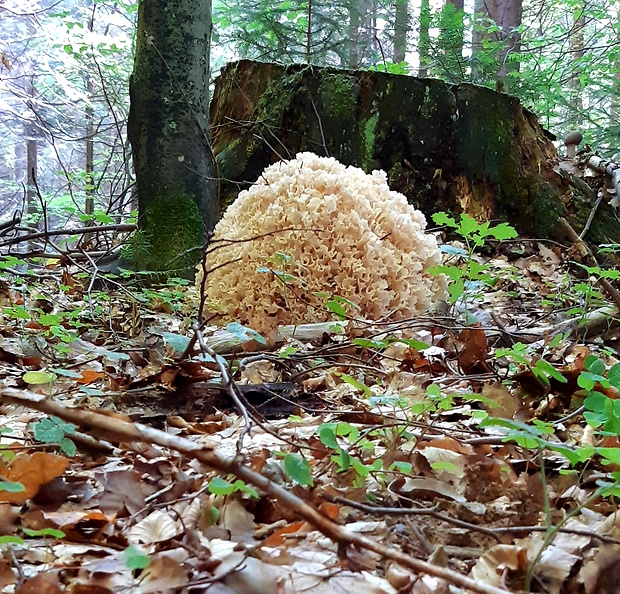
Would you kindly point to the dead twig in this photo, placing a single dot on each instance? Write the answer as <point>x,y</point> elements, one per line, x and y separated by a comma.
<point>496,533</point>
<point>587,255</point>
<point>124,227</point>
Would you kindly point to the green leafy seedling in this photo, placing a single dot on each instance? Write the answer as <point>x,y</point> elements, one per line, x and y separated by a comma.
<point>53,430</point>
<point>220,486</point>
<point>467,280</point>
<point>297,468</point>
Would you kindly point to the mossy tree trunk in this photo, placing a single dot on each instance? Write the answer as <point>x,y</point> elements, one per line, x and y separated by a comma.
<point>168,129</point>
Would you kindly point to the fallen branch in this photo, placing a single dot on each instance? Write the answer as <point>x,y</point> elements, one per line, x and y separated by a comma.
<point>610,168</point>
<point>588,257</point>
<point>112,428</point>
<point>223,341</point>
<point>122,228</point>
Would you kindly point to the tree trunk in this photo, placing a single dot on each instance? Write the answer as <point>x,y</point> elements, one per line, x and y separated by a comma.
<point>309,34</point>
<point>32,200</point>
<point>424,42</point>
<point>507,15</point>
<point>168,129</point>
<point>401,27</point>
<point>510,15</point>
<point>354,35</point>
<point>615,84</point>
<point>577,52</point>
<point>32,197</point>
<point>89,203</point>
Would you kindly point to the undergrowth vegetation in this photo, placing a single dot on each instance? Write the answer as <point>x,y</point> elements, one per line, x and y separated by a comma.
<point>508,380</point>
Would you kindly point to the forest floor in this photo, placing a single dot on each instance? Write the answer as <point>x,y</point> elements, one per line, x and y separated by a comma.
<point>425,456</point>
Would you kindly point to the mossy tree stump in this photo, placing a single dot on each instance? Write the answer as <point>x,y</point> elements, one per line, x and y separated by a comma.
<point>458,148</point>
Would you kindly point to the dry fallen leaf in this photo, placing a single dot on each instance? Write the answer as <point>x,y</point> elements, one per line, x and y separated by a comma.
<point>156,527</point>
<point>31,471</point>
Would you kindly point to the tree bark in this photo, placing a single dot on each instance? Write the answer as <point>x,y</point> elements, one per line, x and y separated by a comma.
<point>460,148</point>
<point>424,42</point>
<point>32,163</point>
<point>401,27</point>
<point>354,35</point>
<point>575,118</point>
<point>507,15</point>
<point>168,129</point>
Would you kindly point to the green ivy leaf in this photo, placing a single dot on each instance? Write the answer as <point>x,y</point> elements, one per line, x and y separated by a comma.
<point>54,533</point>
<point>11,540</point>
<point>219,486</point>
<point>548,369</point>
<point>367,343</point>
<point>418,345</point>
<point>239,485</point>
<point>328,436</point>
<point>347,379</point>
<point>52,430</point>
<point>68,447</point>
<point>405,467</point>
<point>609,455</point>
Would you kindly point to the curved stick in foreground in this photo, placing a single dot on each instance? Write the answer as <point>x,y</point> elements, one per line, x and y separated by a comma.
<point>113,428</point>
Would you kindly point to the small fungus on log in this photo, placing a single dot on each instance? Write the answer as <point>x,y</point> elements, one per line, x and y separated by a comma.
<point>571,141</point>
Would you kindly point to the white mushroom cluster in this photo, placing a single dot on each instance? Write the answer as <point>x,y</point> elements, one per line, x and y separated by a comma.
<point>311,229</point>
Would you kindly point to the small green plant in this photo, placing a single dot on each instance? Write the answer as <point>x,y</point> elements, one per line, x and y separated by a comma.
<point>340,306</point>
<point>298,469</point>
<point>602,412</point>
<point>219,486</point>
<point>53,430</point>
<point>282,264</point>
<point>435,400</point>
<point>535,436</point>
<point>332,435</point>
<point>171,297</point>
<point>61,326</point>
<point>467,280</point>
<point>11,263</point>
<point>521,355</point>
<point>587,294</point>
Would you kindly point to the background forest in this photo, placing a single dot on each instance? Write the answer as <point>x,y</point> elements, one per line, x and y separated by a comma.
<point>64,69</point>
<point>477,446</point>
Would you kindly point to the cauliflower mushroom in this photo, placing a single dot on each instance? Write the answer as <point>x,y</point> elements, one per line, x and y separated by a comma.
<point>311,228</point>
